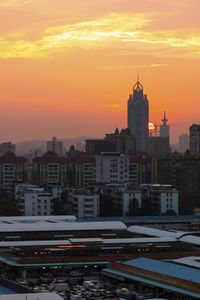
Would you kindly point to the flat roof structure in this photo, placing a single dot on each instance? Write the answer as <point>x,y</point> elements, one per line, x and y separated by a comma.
<point>34,243</point>
<point>35,219</point>
<point>34,296</point>
<point>61,226</point>
<point>192,239</point>
<point>155,232</point>
<point>139,240</point>
<point>191,261</point>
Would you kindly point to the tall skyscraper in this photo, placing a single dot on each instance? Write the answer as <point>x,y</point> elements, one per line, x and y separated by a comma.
<point>164,128</point>
<point>183,142</point>
<point>55,146</point>
<point>138,117</point>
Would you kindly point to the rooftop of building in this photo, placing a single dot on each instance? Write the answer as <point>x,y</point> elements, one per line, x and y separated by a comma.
<point>53,224</point>
<point>10,157</point>
<point>38,296</point>
<point>165,268</point>
<point>166,187</point>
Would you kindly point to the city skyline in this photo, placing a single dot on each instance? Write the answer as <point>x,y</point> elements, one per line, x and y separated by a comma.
<point>65,67</point>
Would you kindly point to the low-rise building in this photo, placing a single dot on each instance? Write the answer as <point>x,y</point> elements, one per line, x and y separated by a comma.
<point>163,197</point>
<point>32,200</point>
<point>83,204</point>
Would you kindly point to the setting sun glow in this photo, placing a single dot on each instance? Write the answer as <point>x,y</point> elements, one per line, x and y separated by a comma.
<point>67,65</point>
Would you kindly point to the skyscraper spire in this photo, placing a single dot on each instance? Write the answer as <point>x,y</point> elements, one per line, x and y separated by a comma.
<point>165,119</point>
<point>164,128</point>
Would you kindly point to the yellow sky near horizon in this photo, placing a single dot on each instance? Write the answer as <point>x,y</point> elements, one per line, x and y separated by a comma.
<point>67,67</point>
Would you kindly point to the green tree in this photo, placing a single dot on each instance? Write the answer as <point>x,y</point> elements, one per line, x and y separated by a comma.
<point>106,204</point>
<point>146,207</point>
<point>8,207</point>
<point>188,201</point>
<point>60,205</point>
<point>134,208</point>
<point>170,212</point>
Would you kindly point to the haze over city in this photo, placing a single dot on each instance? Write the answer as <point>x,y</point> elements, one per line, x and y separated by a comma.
<point>67,68</point>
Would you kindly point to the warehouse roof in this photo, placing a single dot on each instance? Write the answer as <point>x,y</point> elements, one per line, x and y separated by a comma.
<point>139,240</point>
<point>62,226</point>
<point>166,268</point>
<point>155,232</point>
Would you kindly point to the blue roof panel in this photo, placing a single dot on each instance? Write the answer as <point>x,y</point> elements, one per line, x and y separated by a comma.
<point>162,267</point>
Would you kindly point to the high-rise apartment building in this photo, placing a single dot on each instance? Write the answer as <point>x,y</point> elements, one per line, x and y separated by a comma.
<point>7,147</point>
<point>112,168</point>
<point>138,117</point>
<point>195,138</point>
<point>55,146</point>
<point>12,171</point>
<point>50,169</point>
<point>180,170</point>
<point>183,142</point>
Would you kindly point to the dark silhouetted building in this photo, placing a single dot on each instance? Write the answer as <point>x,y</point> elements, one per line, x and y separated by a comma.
<point>183,142</point>
<point>123,142</point>
<point>55,146</point>
<point>180,170</point>
<point>7,147</point>
<point>158,144</point>
<point>195,138</point>
<point>12,171</point>
<point>164,128</point>
<point>138,117</point>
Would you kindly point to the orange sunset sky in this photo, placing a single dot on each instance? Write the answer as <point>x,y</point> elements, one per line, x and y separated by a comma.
<point>67,66</point>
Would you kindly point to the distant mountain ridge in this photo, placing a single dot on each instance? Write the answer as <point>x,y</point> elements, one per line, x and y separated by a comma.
<point>23,148</point>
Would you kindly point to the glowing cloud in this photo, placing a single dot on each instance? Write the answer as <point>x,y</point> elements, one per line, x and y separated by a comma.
<point>114,30</point>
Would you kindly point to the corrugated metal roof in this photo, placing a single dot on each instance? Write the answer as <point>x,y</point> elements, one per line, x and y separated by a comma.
<point>166,268</point>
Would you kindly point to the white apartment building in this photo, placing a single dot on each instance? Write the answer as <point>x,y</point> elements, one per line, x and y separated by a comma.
<point>32,200</point>
<point>112,167</point>
<point>83,204</point>
<point>163,197</point>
